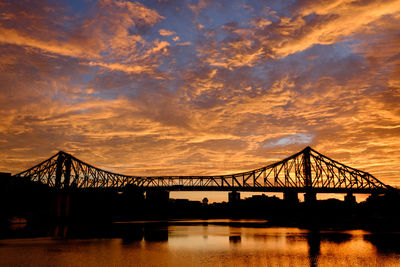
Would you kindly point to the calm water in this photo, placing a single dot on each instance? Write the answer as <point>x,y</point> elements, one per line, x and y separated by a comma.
<point>205,243</point>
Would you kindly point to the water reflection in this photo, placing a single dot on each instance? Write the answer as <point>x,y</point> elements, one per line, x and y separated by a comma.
<point>314,247</point>
<point>235,239</point>
<point>155,234</point>
<point>335,237</point>
<point>60,231</point>
<point>129,234</point>
<point>195,243</point>
<point>385,243</point>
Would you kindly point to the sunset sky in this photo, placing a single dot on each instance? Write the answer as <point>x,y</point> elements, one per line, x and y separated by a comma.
<point>200,87</point>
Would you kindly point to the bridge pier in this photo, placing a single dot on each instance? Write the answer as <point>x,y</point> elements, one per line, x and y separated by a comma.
<point>233,197</point>
<point>290,197</point>
<point>159,196</point>
<point>62,209</point>
<point>350,198</point>
<point>310,197</point>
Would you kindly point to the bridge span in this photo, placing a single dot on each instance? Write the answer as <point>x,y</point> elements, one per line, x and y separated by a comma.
<point>305,171</point>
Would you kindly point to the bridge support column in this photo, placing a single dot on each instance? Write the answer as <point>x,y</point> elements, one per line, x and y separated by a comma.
<point>350,198</point>
<point>310,197</point>
<point>157,203</point>
<point>62,205</point>
<point>290,197</point>
<point>233,197</point>
<point>160,196</point>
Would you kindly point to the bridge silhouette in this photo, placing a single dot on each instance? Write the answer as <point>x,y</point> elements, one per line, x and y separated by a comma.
<point>305,171</point>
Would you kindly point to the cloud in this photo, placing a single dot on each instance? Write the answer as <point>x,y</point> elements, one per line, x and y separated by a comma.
<point>164,32</point>
<point>300,138</point>
<point>184,43</point>
<point>310,24</point>
<point>201,4</point>
<point>331,23</point>
<point>103,36</point>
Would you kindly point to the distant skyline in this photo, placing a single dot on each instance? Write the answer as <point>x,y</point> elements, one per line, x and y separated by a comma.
<point>200,87</point>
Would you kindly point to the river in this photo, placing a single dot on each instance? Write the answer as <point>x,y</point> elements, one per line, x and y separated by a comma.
<point>199,243</point>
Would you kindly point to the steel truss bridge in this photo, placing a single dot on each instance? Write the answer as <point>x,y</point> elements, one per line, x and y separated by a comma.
<point>305,171</point>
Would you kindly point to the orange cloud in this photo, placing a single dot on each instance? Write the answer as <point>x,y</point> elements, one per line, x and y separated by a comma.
<point>343,19</point>
<point>108,30</point>
<point>11,36</point>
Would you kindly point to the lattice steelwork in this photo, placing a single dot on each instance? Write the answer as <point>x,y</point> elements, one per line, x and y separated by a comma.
<point>300,172</point>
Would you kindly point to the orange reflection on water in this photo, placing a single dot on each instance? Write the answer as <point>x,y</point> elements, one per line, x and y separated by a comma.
<point>207,243</point>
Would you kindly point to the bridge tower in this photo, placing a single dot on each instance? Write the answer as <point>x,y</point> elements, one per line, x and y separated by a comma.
<point>63,169</point>
<point>59,170</point>
<point>62,181</point>
<point>310,196</point>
